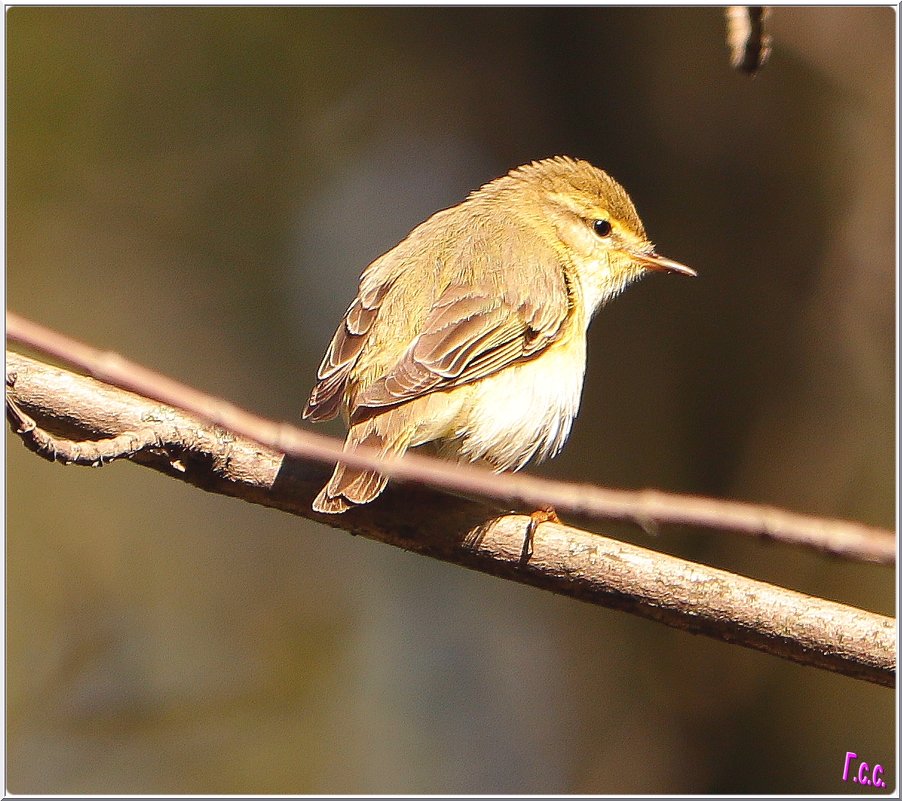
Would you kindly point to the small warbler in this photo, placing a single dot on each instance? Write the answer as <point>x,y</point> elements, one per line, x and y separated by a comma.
<point>470,334</point>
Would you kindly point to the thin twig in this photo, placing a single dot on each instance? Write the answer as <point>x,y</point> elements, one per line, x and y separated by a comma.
<point>748,38</point>
<point>841,538</point>
<point>91,453</point>
<point>564,560</point>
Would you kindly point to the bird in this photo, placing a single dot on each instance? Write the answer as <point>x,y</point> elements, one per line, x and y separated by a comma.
<point>469,336</point>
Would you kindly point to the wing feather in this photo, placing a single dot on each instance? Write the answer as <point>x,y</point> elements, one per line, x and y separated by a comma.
<point>470,333</point>
<point>344,350</point>
<point>390,348</point>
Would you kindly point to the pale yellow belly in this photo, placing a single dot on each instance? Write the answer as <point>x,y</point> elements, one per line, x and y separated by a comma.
<point>521,413</point>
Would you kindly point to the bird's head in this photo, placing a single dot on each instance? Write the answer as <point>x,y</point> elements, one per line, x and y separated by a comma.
<point>590,221</point>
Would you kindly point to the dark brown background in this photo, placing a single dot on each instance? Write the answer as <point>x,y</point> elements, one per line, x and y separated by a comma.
<point>199,190</point>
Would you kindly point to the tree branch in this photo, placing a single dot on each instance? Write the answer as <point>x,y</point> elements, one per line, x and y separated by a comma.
<point>565,560</point>
<point>748,38</point>
<point>647,508</point>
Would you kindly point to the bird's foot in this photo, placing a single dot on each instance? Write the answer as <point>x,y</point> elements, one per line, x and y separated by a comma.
<point>545,514</point>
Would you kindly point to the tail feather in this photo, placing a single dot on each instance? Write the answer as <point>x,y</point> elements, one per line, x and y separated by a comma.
<point>330,505</point>
<point>351,486</point>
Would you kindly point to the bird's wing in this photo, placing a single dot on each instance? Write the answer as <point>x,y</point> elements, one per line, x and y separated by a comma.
<point>346,346</point>
<point>471,332</point>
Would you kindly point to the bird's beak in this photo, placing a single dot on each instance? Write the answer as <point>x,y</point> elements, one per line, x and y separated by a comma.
<point>661,264</point>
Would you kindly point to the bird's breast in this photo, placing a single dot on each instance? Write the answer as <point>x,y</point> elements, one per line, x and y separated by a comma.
<point>523,412</point>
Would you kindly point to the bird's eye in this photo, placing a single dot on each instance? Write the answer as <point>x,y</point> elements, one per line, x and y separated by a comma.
<point>602,228</point>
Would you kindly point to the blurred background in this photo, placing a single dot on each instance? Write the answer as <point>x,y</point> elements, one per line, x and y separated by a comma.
<point>199,190</point>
